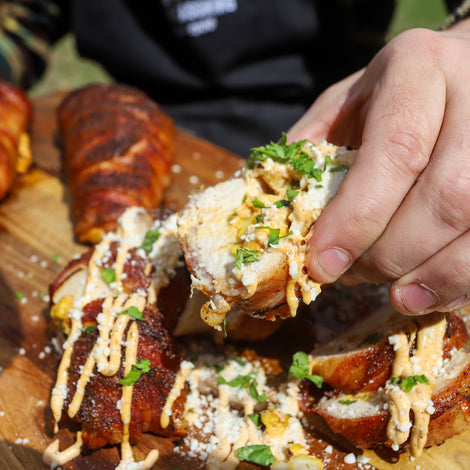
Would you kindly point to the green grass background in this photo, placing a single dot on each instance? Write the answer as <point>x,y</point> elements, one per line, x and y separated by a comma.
<point>68,70</point>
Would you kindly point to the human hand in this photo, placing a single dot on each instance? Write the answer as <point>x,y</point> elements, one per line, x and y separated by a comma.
<point>402,213</point>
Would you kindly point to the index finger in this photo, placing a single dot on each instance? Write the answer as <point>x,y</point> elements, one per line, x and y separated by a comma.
<point>400,130</point>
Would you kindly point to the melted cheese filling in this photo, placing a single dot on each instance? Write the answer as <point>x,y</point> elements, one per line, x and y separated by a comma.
<point>106,353</point>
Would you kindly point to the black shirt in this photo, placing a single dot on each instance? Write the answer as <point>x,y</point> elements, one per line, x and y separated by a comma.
<point>236,72</point>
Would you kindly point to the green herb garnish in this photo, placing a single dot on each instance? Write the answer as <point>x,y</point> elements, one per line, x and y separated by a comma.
<point>19,295</point>
<point>258,204</point>
<point>347,402</point>
<point>408,383</point>
<point>55,258</point>
<point>109,275</point>
<point>291,194</point>
<point>300,369</point>
<point>88,329</point>
<point>245,381</point>
<point>279,152</point>
<point>142,366</point>
<point>260,454</point>
<point>133,312</point>
<point>150,238</point>
<point>282,203</point>
<point>238,360</point>
<point>245,256</point>
<point>256,418</point>
<point>273,236</point>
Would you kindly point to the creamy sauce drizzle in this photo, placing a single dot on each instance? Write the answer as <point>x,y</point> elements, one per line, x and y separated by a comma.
<point>229,431</point>
<point>426,360</point>
<point>53,457</point>
<point>106,353</point>
<point>295,220</point>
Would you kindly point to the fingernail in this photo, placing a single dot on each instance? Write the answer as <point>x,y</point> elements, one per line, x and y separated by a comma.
<point>417,298</point>
<point>334,261</point>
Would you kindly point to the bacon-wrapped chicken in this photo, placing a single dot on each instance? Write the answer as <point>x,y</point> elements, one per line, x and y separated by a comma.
<point>118,148</point>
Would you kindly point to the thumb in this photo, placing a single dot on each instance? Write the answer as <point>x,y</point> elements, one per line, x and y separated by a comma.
<point>322,121</point>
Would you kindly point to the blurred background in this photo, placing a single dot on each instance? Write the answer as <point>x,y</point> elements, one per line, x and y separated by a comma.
<point>67,70</point>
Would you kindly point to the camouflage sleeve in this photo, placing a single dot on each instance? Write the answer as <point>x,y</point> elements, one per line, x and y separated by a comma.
<point>27,29</point>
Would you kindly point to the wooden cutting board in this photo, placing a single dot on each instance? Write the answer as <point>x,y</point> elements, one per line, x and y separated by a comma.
<point>36,241</point>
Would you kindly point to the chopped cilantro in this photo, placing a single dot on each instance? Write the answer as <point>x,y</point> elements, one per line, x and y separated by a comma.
<point>259,218</point>
<point>88,329</point>
<point>347,402</point>
<point>373,338</point>
<point>245,256</point>
<point>245,381</point>
<point>241,381</point>
<point>258,204</point>
<point>260,454</point>
<point>55,258</point>
<point>300,369</point>
<point>305,164</point>
<point>238,360</point>
<point>150,238</point>
<point>318,186</point>
<point>291,194</point>
<point>133,312</point>
<point>408,383</point>
<point>273,237</point>
<point>219,367</point>
<point>279,152</point>
<point>326,162</point>
<point>282,203</point>
<point>256,418</point>
<point>19,295</point>
<point>142,366</point>
<point>109,275</point>
<point>259,397</point>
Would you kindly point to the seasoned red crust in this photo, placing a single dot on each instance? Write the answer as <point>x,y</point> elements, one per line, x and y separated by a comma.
<point>99,417</point>
<point>118,148</point>
<point>15,116</point>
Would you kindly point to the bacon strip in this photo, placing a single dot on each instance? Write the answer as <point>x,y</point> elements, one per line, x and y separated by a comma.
<point>118,148</point>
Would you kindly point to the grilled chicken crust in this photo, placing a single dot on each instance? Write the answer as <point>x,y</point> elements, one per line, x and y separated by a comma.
<point>99,416</point>
<point>356,366</point>
<point>118,148</point>
<point>15,117</point>
<point>80,290</point>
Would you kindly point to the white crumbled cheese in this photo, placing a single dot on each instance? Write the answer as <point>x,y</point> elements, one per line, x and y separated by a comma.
<point>350,458</point>
<point>404,427</point>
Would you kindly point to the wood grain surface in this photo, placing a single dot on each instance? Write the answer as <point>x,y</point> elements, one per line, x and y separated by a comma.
<point>36,241</point>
